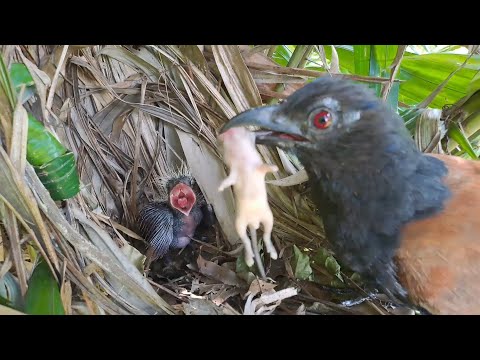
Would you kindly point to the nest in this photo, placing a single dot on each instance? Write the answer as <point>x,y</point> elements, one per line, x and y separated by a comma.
<point>132,116</point>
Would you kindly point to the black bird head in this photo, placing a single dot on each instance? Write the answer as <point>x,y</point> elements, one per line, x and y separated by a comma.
<point>320,116</point>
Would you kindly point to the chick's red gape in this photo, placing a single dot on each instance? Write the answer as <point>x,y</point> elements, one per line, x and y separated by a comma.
<point>171,222</point>
<point>182,198</point>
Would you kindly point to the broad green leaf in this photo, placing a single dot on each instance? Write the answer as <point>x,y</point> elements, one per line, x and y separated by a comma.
<point>333,267</point>
<point>475,83</point>
<point>321,255</point>
<point>6,84</point>
<point>53,163</point>
<point>241,266</point>
<point>356,278</point>
<point>42,146</point>
<point>457,135</point>
<point>20,76</point>
<point>43,295</point>
<point>423,74</point>
<point>361,55</point>
<point>337,283</point>
<point>282,55</point>
<point>302,269</point>
<point>60,176</point>
<point>324,258</point>
<point>374,60</point>
<point>243,271</point>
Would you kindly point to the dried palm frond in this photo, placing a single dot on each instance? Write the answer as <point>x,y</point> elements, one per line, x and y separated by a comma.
<point>134,115</point>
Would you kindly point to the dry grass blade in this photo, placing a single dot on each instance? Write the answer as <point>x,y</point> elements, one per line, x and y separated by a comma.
<point>209,172</point>
<point>4,310</point>
<point>312,73</point>
<point>18,150</point>
<point>428,132</point>
<point>51,92</point>
<point>102,260</point>
<point>127,57</point>
<point>10,223</point>
<point>147,301</point>
<point>237,78</point>
<point>41,80</point>
<point>393,70</point>
<point>335,63</point>
<point>299,177</point>
<point>19,196</point>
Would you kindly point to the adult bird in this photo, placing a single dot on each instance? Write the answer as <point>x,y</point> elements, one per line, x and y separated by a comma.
<point>406,220</point>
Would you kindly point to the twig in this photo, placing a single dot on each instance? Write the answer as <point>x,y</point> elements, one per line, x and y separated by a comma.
<point>51,92</point>
<point>394,69</point>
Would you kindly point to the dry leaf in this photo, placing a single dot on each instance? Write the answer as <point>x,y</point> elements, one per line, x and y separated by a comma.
<point>66,295</point>
<point>258,285</point>
<point>4,310</point>
<point>220,273</point>
<point>274,298</point>
<point>299,177</point>
<point>209,172</point>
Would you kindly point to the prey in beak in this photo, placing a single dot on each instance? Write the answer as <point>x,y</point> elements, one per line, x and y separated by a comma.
<point>276,129</point>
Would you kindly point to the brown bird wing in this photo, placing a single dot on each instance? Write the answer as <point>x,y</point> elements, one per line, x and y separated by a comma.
<point>439,257</point>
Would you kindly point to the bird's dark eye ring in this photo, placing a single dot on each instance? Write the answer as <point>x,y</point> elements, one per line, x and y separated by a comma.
<point>322,120</point>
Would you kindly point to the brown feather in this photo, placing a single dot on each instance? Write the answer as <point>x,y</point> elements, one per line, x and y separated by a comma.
<point>439,256</point>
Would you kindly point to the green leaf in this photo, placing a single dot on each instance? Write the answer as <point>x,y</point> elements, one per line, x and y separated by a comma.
<point>333,267</point>
<point>361,55</point>
<point>474,84</point>
<point>321,256</point>
<point>324,258</point>
<point>337,283</point>
<point>53,163</point>
<point>20,76</point>
<point>356,278</point>
<point>303,271</point>
<point>60,177</point>
<point>42,146</point>
<point>43,295</point>
<point>423,74</point>
<point>243,271</point>
<point>6,84</point>
<point>5,302</point>
<point>282,55</point>
<point>241,265</point>
<point>457,135</point>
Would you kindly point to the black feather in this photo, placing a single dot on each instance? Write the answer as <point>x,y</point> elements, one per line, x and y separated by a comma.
<point>368,180</point>
<point>156,224</point>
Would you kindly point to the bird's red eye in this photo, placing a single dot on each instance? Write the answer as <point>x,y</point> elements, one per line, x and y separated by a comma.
<point>322,120</point>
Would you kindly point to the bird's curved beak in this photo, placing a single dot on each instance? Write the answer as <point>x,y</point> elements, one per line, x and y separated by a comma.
<point>278,130</point>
